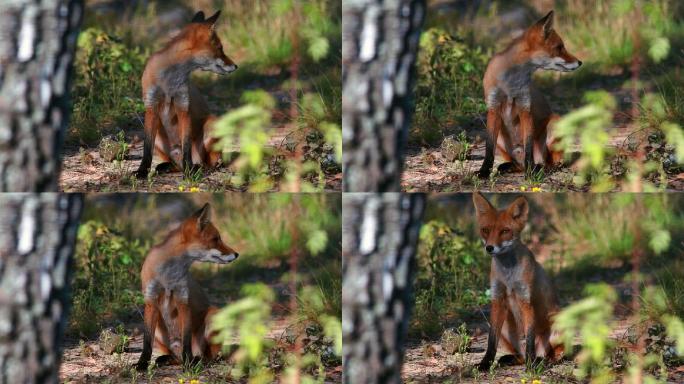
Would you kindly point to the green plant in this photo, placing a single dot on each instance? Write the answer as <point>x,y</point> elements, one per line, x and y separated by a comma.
<point>302,32</point>
<point>249,319</point>
<point>106,85</point>
<point>107,278</point>
<point>593,320</point>
<point>452,274</point>
<point>448,88</point>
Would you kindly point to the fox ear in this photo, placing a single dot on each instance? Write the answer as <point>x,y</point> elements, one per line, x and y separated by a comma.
<point>546,24</point>
<point>519,209</point>
<point>212,20</point>
<point>482,205</point>
<point>198,18</point>
<point>203,216</point>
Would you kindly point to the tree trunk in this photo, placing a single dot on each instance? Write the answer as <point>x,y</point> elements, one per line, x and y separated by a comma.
<point>380,43</point>
<point>37,43</point>
<point>380,234</point>
<point>37,236</point>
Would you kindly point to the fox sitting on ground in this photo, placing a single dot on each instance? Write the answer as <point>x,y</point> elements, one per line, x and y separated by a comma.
<point>524,299</point>
<point>518,115</point>
<point>177,311</point>
<point>177,118</point>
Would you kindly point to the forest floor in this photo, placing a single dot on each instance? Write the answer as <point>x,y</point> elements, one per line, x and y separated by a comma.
<point>88,360</point>
<point>85,170</point>
<point>426,168</point>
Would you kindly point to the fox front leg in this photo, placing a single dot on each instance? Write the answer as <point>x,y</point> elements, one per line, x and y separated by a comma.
<point>152,125</point>
<point>151,319</point>
<point>494,123</point>
<point>499,312</point>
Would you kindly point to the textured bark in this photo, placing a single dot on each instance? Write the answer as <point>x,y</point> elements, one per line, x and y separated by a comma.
<point>37,236</point>
<point>380,233</point>
<point>37,43</point>
<point>380,43</point>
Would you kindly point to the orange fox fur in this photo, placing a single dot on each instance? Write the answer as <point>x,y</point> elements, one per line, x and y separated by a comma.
<point>177,118</point>
<point>518,115</point>
<point>177,311</point>
<point>524,299</point>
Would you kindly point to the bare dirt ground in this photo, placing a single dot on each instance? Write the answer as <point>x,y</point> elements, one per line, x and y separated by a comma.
<point>85,359</point>
<point>84,170</point>
<point>86,362</point>
<point>427,170</point>
<point>427,362</point>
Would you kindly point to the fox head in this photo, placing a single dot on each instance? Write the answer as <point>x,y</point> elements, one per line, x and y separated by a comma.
<point>500,230</point>
<point>203,241</point>
<point>206,47</point>
<point>547,49</point>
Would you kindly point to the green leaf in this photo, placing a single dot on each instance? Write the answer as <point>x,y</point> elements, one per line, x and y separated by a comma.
<point>660,241</point>
<point>318,47</point>
<point>317,241</point>
<point>675,137</point>
<point>660,47</point>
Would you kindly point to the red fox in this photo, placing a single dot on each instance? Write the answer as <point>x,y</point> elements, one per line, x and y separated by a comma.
<point>518,115</point>
<point>177,118</point>
<point>177,311</point>
<point>524,299</point>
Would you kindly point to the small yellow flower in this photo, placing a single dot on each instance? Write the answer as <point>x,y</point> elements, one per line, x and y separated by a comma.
<point>536,189</point>
<point>536,381</point>
<point>181,188</point>
<point>523,381</point>
<point>181,381</point>
<point>523,188</point>
<point>194,381</point>
<point>194,189</point>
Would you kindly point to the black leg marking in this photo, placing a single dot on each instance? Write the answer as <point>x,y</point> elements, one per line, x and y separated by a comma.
<point>166,167</point>
<point>507,167</point>
<point>488,162</point>
<point>146,354</point>
<point>146,162</point>
<point>488,358</point>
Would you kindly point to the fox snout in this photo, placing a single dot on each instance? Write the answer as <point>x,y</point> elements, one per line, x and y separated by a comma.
<point>215,256</point>
<point>226,66</point>
<point>221,66</point>
<point>559,63</point>
<point>495,249</point>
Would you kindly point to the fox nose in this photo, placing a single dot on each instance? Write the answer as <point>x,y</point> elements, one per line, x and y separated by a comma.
<point>237,255</point>
<point>579,63</point>
<point>489,248</point>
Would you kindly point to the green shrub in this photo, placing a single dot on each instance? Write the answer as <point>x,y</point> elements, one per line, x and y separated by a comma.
<point>107,280</point>
<point>107,86</point>
<point>452,276</point>
<point>449,84</point>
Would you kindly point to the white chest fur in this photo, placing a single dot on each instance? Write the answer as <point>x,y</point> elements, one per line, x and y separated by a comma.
<point>513,86</point>
<point>172,86</point>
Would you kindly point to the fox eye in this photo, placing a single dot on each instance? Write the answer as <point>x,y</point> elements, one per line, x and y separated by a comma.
<point>505,231</point>
<point>485,231</point>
